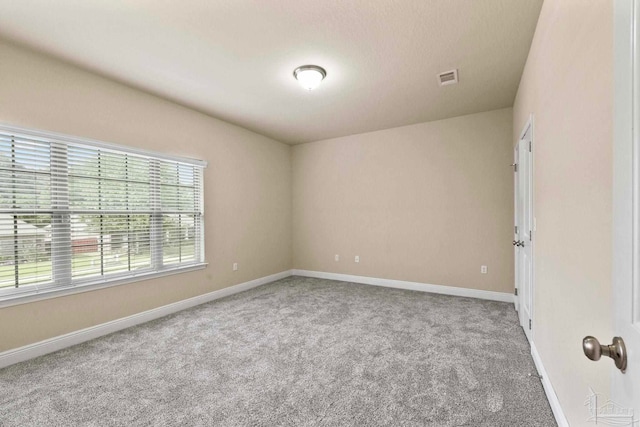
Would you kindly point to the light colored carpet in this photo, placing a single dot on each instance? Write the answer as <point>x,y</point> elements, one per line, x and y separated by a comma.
<point>297,352</point>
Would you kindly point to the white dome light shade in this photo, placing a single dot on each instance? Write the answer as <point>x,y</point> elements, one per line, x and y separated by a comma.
<point>309,76</point>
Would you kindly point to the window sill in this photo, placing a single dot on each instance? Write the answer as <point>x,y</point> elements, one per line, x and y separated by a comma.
<point>44,294</point>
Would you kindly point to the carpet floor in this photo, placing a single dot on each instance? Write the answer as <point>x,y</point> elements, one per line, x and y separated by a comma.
<point>296,352</point>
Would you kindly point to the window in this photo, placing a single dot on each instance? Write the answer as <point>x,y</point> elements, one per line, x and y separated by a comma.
<point>78,213</point>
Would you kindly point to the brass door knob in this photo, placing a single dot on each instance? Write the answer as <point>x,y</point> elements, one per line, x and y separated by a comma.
<point>617,351</point>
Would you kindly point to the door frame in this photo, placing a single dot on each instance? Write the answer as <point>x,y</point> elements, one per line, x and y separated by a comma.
<point>626,182</point>
<point>529,125</point>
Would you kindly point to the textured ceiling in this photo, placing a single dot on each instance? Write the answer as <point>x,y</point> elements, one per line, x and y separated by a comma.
<point>233,59</point>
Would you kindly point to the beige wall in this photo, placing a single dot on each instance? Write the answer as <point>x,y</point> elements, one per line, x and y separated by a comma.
<point>428,203</point>
<point>568,86</point>
<point>247,187</point>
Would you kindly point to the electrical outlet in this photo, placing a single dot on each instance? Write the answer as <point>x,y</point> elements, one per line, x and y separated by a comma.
<point>235,266</point>
<point>337,257</point>
<point>483,269</point>
<point>357,258</point>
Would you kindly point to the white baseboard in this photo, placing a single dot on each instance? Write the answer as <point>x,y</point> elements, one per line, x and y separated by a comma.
<point>50,345</point>
<point>413,286</point>
<point>548,389</point>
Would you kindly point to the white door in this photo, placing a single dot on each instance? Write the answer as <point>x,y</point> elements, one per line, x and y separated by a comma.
<point>524,235</point>
<point>625,391</point>
<point>516,218</point>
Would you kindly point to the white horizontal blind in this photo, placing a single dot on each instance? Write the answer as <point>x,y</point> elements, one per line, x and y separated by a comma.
<point>74,213</point>
<point>179,205</point>
<point>25,211</point>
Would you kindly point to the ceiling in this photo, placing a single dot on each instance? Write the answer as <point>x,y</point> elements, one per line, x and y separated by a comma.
<point>234,59</point>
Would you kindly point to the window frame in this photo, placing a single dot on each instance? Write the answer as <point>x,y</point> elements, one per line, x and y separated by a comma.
<point>60,209</point>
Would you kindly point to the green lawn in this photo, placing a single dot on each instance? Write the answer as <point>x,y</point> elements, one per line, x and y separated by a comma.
<point>87,264</point>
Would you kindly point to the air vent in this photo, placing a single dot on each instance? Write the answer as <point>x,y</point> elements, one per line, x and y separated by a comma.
<point>448,78</point>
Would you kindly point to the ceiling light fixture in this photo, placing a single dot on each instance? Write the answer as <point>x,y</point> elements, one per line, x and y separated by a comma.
<point>309,76</point>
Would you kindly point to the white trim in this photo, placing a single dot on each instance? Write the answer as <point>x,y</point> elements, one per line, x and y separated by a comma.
<point>556,408</point>
<point>60,137</point>
<point>625,389</point>
<point>413,286</point>
<point>50,345</point>
<point>532,176</point>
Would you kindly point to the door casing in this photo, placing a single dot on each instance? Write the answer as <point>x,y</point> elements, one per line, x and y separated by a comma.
<point>625,388</point>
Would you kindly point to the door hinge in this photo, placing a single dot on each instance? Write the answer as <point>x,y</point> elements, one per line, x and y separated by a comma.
<point>529,324</point>
<point>530,238</point>
<point>515,167</point>
<point>516,229</point>
<point>516,292</point>
<point>529,145</point>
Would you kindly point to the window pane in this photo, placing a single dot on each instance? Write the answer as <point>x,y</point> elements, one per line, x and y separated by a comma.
<point>186,199</point>
<point>178,188</point>
<point>25,249</point>
<point>168,173</point>
<point>169,197</point>
<point>104,244</point>
<point>178,182</point>
<point>114,243</point>
<point>24,190</point>
<point>114,195</point>
<point>179,239</point>
<point>86,245</point>
<point>138,196</point>
<point>106,180</point>
<point>90,193</point>
<point>84,193</point>
<point>24,174</point>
